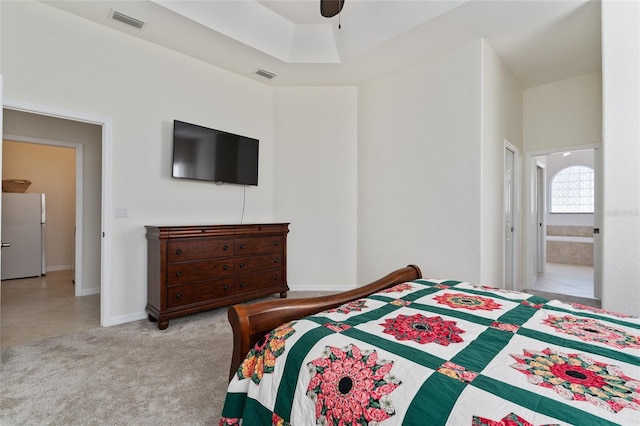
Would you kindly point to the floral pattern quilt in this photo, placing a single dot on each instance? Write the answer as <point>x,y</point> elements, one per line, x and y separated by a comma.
<point>443,352</point>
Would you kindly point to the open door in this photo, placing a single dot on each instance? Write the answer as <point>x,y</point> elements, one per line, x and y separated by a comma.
<point>541,209</point>
<point>597,224</point>
<point>509,216</point>
<point>2,243</point>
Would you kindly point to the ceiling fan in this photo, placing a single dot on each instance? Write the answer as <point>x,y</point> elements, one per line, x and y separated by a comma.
<point>330,8</point>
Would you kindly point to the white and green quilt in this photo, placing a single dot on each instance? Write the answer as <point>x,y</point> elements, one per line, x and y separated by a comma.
<point>442,352</point>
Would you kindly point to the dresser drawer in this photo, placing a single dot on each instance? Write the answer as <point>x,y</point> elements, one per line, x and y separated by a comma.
<point>196,248</point>
<point>263,244</point>
<point>201,270</point>
<point>258,263</point>
<point>260,281</point>
<point>187,294</point>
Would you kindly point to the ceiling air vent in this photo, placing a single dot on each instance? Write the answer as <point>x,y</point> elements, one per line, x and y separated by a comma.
<point>136,23</point>
<point>265,74</point>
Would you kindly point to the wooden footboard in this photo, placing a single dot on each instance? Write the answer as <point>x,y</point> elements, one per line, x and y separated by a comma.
<point>250,322</point>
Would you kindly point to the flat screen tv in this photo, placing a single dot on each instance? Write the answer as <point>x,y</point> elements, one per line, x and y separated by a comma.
<point>213,155</point>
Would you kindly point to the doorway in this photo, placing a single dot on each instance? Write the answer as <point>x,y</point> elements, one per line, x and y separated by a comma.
<point>563,244</point>
<point>92,260</point>
<point>52,167</point>
<point>63,299</point>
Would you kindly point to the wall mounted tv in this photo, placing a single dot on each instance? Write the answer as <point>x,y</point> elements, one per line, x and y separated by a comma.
<point>213,155</point>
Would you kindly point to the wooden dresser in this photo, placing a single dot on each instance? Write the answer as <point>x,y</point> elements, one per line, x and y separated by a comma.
<point>195,268</point>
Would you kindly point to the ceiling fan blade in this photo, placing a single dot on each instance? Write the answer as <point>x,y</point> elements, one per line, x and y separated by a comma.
<point>330,8</point>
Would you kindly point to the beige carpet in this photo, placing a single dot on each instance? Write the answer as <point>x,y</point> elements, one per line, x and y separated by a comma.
<point>129,374</point>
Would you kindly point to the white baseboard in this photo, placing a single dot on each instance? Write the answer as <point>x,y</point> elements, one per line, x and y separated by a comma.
<point>58,268</point>
<point>334,288</point>
<point>89,291</point>
<point>126,318</point>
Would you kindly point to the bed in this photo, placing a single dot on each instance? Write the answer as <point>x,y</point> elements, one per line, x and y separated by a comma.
<point>405,350</point>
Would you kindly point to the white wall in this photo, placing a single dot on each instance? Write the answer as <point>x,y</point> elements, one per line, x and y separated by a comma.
<point>420,137</point>
<point>621,156</point>
<point>55,59</point>
<point>557,116</point>
<point>501,120</point>
<point>565,113</point>
<point>431,166</point>
<point>419,168</point>
<point>142,87</point>
<point>315,184</point>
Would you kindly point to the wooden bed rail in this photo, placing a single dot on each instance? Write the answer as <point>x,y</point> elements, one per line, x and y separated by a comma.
<point>250,322</point>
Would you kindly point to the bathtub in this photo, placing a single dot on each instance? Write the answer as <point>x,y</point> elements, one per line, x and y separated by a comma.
<point>569,239</point>
<point>571,250</point>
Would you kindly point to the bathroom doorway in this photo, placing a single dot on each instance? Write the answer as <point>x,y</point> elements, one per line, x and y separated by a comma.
<point>567,204</point>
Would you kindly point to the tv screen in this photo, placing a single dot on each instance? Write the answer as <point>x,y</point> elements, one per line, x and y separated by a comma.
<point>213,155</point>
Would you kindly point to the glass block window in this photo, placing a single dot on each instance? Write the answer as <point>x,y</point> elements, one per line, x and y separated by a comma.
<point>572,190</point>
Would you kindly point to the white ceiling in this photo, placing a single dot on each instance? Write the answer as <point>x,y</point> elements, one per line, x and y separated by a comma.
<point>540,41</point>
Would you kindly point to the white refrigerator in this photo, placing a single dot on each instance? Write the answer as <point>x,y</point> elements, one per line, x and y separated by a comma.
<point>23,235</point>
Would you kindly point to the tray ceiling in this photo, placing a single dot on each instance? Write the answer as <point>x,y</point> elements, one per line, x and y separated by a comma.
<point>539,41</point>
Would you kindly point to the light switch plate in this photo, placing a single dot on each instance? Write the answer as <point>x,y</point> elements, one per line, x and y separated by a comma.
<point>122,211</point>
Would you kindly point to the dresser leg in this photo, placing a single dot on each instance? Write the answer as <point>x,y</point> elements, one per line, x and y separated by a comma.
<point>283,295</point>
<point>152,319</point>
<point>163,324</point>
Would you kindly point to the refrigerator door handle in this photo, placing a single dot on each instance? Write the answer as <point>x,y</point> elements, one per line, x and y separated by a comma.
<point>3,245</point>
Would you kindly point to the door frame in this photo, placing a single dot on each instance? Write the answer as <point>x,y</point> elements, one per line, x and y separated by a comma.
<point>541,217</point>
<point>517,234</point>
<point>530,234</point>
<point>79,220</point>
<point>105,246</point>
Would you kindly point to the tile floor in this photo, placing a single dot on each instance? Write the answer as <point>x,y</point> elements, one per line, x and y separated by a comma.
<point>36,308</point>
<point>571,280</point>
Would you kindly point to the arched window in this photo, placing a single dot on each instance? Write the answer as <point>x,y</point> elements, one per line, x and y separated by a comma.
<point>572,190</point>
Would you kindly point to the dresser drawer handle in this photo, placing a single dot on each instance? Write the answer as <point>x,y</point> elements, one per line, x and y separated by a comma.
<point>178,274</point>
<point>276,260</point>
<point>276,278</point>
<point>225,267</point>
<point>178,252</point>
<point>226,287</point>
<point>277,243</point>
<point>241,246</point>
<point>241,285</point>
<point>225,248</point>
<point>241,265</point>
<point>179,296</point>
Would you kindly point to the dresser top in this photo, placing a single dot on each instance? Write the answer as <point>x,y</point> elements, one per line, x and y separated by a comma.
<point>180,231</point>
